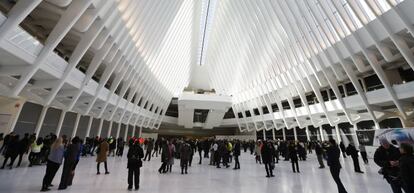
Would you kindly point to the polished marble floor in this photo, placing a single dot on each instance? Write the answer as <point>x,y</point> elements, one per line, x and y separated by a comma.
<point>201,178</point>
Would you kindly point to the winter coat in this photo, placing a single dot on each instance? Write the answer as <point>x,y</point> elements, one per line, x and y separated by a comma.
<point>103,152</point>
<point>267,154</point>
<point>382,158</point>
<point>407,172</point>
<point>135,154</point>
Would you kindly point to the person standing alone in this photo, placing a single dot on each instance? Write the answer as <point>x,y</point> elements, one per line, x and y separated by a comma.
<point>135,154</point>
<point>333,153</point>
<point>102,156</point>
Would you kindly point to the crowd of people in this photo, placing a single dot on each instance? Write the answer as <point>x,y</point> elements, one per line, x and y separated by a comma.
<point>396,160</point>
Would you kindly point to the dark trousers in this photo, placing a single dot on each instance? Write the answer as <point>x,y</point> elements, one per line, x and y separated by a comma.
<point>51,170</point>
<point>356,163</point>
<point>395,185</point>
<point>184,166</point>
<point>20,159</point>
<point>163,167</point>
<point>133,177</point>
<point>147,155</point>
<point>364,157</point>
<point>295,162</point>
<point>199,154</point>
<point>105,164</point>
<point>206,153</point>
<point>335,175</point>
<point>155,152</point>
<point>237,163</point>
<point>13,158</point>
<point>34,158</point>
<point>66,174</point>
<point>269,169</point>
<point>119,151</point>
<point>320,160</point>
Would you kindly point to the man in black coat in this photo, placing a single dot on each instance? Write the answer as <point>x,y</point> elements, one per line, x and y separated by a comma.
<point>386,156</point>
<point>199,145</point>
<point>135,154</point>
<point>319,154</point>
<point>407,167</point>
<point>333,153</point>
<point>236,154</point>
<point>24,146</point>
<point>71,155</point>
<point>353,152</point>
<point>11,151</point>
<point>267,158</point>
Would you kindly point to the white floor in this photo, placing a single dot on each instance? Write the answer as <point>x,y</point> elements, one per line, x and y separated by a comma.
<point>201,178</point>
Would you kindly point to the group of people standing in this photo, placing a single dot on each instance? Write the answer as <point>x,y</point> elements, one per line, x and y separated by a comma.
<point>396,160</point>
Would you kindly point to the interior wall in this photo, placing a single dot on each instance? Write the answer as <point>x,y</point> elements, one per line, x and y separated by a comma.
<point>68,124</point>
<point>83,126</point>
<point>9,109</point>
<point>51,122</point>
<point>26,122</point>
<point>114,129</point>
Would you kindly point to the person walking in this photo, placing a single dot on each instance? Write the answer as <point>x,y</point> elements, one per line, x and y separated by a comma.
<point>24,146</point>
<point>364,154</point>
<point>11,151</point>
<point>54,161</point>
<point>120,147</point>
<point>386,156</point>
<point>333,153</point>
<point>353,152</point>
<point>171,149</point>
<point>71,154</point>
<point>257,151</point>
<point>236,154</point>
<point>185,152</point>
<point>199,145</point>
<point>407,167</point>
<point>149,147</point>
<point>36,148</point>
<point>267,158</point>
<point>102,156</point>
<point>293,154</point>
<point>319,155</point>
<point>165,157</point>
<point>135,154</point>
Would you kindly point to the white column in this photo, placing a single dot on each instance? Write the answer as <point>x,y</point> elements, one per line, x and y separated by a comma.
<point>40,120</point>
<point>321,132</point>
<point>16,118</point>
<point>100,127</point>
<point>60,123</point>
<point>377,126</point>
<point>133,131</point>
<point>273,134</point>
<point>126,132</point>
<point>264,134</point>
<point>118,130</point>
<point>110,129</point>
<point>76,126</point>
<point>354,135</point>
<point>284,134</point>
<point>88,130</point>
<point>295,134</point>
<point>307,133</point>
<point>338,135</point>
<point>318,136</point>
<point>140,132</point>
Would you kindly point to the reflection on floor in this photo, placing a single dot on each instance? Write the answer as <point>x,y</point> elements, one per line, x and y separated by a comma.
<point>201,178</point>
